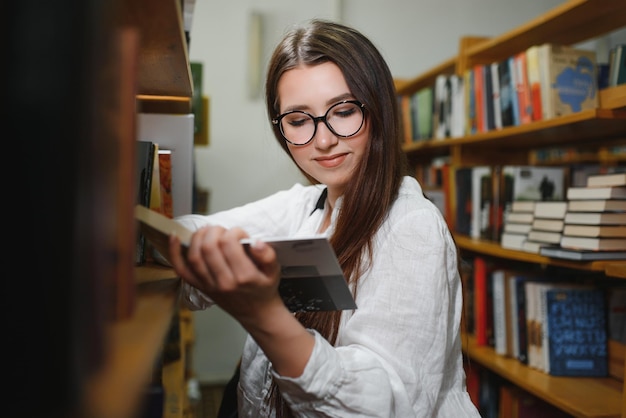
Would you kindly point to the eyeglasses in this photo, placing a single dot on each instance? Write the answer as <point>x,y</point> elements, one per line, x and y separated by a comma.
<point>344,119</point>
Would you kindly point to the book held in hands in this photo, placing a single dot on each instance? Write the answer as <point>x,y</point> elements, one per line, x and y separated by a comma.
<point>311,277</point>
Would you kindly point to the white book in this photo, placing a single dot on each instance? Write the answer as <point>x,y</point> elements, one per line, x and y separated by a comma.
<point>604,180</point>
<point>499,311</point>
<point>517,228</point>
<point>512,241</point>
<point>519,217</point>
<point>599,205</point>
<point>596,218</point>
<point>550,209</point>
<point>553,225</point>
<point>547,237</point>
<point>608,192</point>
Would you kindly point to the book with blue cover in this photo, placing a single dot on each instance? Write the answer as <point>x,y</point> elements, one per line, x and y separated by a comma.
<point>577,332</point>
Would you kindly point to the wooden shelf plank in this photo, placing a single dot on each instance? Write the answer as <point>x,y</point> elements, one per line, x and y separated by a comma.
<point>164,70</point>
<point>132,347</point>
<point>578,396</point>
<point>580,127</point>
<point>494,249</point>
<point>572,22</point>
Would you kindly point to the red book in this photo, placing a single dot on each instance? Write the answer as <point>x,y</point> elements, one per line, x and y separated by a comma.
<point>483,318</point>
<point>479,98</point>
<point>523,89</point>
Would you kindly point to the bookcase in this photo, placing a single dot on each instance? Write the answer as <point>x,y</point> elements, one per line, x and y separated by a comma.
<point>152,74</point>
<point>594,130</point>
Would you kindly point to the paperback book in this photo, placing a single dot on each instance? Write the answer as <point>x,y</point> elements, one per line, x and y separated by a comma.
<point>311,277</point>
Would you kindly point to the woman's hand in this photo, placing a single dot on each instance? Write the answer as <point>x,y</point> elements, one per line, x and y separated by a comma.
<point>243,284</point>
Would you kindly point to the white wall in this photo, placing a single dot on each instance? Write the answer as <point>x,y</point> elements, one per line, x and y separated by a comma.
<point>243,162</point>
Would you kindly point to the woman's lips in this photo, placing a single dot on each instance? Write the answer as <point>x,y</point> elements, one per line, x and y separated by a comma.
<point>331,161</point>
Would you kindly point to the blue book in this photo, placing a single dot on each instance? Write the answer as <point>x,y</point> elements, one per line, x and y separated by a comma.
<point>577,332</point>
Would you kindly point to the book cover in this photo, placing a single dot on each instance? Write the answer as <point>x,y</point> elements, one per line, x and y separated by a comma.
<point>617,65</point>
<point>495,94</point>
<point>507,93</point>
<point>582,255</point>
<point>608,192</point>
<point>523,88</point>
<point>513,240</point>
<point>479,98</point>
<point>483,314</point>
<point>463,187</point>
<point>424,102</point>
<point>577,336</point>
<point>144,166</point>
<point>534,81</point>
<point>570,80</point>
<point>457,128</point>
<point>546,237</point>
<point>490,117</point>
<point>499,305</point>
<point>311,278</point>
<point>481,201</point>
<point>515,105</point>
<point>442,107</point>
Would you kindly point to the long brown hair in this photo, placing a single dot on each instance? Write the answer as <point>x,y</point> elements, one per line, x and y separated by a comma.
<point>374,186</point>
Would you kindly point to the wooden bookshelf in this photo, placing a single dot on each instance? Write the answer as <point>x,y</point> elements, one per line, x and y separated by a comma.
<point>132,347</point>
<point>595,131</point>
<point>580,397</point>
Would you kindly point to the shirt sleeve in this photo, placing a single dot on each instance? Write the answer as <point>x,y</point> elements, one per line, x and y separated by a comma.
<point>279,214</point>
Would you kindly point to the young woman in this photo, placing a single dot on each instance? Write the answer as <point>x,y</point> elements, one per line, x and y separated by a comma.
<point>332,103</point>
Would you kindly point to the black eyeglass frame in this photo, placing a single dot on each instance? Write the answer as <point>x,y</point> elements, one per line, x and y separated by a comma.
<point>317,119</point>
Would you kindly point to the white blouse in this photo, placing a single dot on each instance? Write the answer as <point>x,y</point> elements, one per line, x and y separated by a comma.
<point>399,353</point>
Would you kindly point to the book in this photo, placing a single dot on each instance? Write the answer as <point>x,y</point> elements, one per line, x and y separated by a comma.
<point>512,240</point>
<point>598,205</point>
<point>609,192</point>
<point>483,314</point>
<point>520,217</point>
<point>606,180</point>
<point>596,244</point>
<point>495,95</point>
<point>517,228</point>
<point>144,166</point>
<point>498,280</point>
<point>311,278</point>
<point>534,81</point>
<point>596,218</point>
<point>568,80</point>
<point>546,224</point>
<point>582,255</point>
<point>481,201</point>
<point>507,93</point>
<point>617,65</point>
<point>464,191</point>
<point>547,237</point>
<point>577,332</point>
<point>550,209</point>
<point>523,88</point>
<point>615,231</point>
<point>523,206</point>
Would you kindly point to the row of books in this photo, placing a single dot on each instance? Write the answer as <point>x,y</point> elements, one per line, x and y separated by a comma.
<point>539,83</point>
<point>589,224</point>
<point>153,184</point>
<point>559,325</point>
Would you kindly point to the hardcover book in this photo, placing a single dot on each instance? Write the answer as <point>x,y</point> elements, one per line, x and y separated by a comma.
<point>577,336</point>
<point>311,278</point>
<point>599,205</point>
<point>596,244</point>
<point>596,218</point>
<point>615,231</point>
<point>582,255</point>
<point>608,192</point>
<point>568,79</point>
<point>606,180</point>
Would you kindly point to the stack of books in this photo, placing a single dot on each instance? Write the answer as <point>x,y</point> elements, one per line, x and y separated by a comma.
<point>547,226</point>
<point>595,222</point>
<point>517,224</point>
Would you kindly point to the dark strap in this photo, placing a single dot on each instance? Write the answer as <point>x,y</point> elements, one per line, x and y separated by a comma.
<point>321,201</point>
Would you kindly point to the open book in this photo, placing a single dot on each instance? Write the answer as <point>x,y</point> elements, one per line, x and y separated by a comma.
<point>311,278</point>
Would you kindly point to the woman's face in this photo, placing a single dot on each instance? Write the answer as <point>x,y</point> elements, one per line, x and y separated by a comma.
<point>328,158</point>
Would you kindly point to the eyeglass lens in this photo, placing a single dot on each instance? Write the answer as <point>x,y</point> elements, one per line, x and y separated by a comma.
<point>343,119</point>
